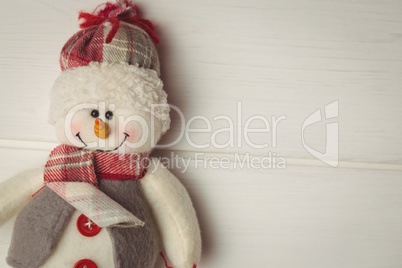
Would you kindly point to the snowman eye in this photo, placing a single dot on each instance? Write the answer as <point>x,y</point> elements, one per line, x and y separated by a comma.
<point>95,113</point>
<point>109,115</point>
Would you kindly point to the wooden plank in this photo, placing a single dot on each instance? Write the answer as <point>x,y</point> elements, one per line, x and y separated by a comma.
<point>277,57</point>
<point>293,217</point>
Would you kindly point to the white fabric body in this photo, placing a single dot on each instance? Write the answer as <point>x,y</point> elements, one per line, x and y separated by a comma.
<point>170,204</point>
<point>174,214</point>
<point>73,246</point>
<point>17,191</point>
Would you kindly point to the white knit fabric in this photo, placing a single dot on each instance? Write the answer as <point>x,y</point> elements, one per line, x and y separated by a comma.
<point>126,86</point>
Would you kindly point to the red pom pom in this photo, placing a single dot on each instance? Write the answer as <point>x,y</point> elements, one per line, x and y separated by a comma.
<point>123,10</point>
<point>107,10</point>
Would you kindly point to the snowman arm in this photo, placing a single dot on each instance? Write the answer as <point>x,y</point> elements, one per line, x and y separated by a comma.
<point>174,215</point>
<point>17,191</point>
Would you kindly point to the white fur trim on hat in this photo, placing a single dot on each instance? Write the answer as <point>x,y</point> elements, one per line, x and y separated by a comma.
<point>126,86</point>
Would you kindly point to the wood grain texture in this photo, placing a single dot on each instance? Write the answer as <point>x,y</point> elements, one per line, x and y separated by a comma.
<point>295,217</point>
<point>277,57</point>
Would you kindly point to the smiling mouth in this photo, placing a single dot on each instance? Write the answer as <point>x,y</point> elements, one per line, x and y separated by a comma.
<point>105,151</point>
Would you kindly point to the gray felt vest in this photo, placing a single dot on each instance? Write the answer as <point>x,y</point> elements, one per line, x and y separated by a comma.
<point>41,222</point>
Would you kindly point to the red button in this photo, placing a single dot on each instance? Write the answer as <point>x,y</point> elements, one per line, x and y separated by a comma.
<point>85,264</point>
<point>87,227</point>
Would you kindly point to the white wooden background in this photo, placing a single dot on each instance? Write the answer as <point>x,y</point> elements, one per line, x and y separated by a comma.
<point>278,57</point>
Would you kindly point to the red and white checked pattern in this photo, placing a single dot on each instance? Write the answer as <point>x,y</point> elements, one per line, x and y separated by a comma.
<point>131,45</point>
<point>113,166</point>
<point>72,173</point>
<point>95,204</point>
<point>83,47</point>
<point>72,164</point>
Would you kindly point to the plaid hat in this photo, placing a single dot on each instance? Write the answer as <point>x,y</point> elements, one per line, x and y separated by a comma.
<point>114,34</point>
<point>114,59</point>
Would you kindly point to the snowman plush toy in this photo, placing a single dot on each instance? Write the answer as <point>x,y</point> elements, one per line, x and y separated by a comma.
<point>101,201</point>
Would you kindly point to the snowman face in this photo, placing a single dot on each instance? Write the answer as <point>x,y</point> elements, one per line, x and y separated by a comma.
<point>108,128</point>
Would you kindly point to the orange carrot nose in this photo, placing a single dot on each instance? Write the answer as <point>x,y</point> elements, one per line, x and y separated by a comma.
<point>102,129</point>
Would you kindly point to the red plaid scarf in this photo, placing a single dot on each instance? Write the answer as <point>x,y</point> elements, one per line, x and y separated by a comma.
<point>73,174</point>
<point>72,164</point>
